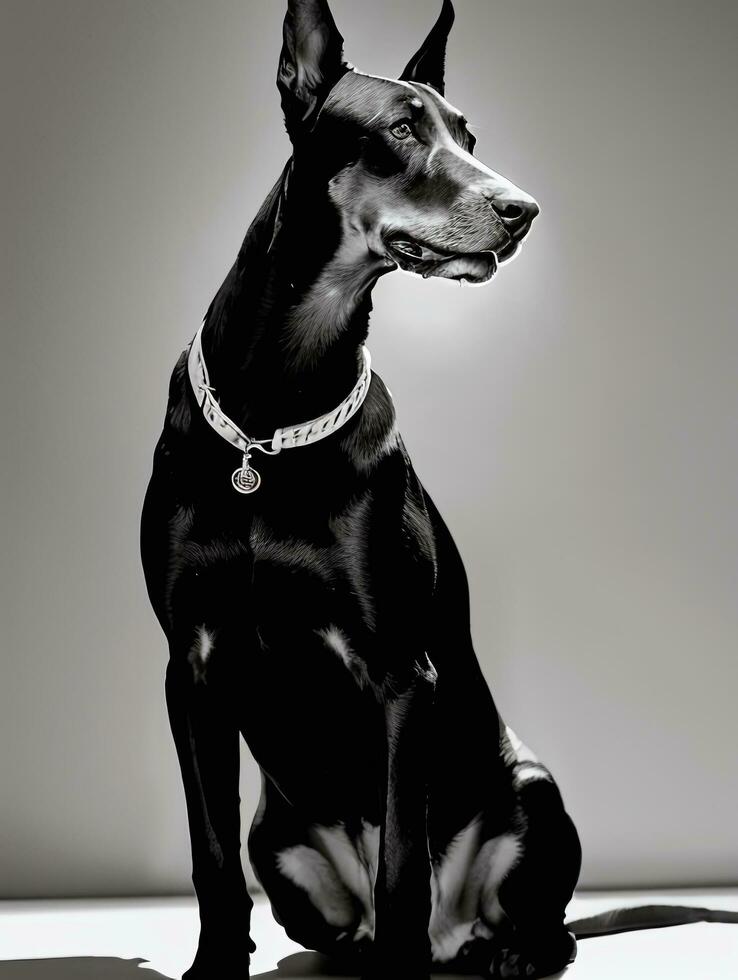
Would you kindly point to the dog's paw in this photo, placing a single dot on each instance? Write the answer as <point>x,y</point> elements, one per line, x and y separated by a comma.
<point>210,964</point>
<point>473,957</point>
<point>535,960</point>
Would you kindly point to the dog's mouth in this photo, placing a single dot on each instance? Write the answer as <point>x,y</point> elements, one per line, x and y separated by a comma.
<point>420,258</point>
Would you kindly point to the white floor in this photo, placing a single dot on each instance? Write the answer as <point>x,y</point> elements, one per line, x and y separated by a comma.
<point>56,941</point>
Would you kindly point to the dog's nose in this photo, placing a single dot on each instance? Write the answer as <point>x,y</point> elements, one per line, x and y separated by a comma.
<point>516,213</point>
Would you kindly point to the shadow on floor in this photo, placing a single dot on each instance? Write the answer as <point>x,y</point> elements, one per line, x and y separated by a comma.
<point>308,966</point>
<point>297,966</point>
<point>78,968</point>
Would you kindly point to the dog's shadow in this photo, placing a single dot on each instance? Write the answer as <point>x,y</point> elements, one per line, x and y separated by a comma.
<point>310,966</point>
<point>296,966</point>
<point>78,968</point>
<point>307,965</point>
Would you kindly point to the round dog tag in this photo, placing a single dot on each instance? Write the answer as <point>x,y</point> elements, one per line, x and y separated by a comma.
<point>245,479</point>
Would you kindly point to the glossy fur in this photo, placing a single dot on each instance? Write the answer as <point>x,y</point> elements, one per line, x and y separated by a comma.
<point>326,617</point>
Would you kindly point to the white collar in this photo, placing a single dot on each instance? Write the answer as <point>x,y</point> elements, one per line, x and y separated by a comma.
<point>246,479</point>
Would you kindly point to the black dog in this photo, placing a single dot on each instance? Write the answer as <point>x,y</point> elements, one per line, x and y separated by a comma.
<point>323,610</point>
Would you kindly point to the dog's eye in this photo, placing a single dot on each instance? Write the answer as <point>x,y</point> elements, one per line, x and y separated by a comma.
<point>402,129</point>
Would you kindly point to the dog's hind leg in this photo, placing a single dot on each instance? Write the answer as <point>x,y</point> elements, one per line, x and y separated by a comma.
<point>306,895</point>
<point>207,737</point>
<point>534,895</point>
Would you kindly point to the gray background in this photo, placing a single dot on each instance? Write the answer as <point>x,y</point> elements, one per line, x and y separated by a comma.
<point>575,421</point>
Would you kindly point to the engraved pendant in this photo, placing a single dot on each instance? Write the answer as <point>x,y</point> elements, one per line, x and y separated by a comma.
<point>245,479</point>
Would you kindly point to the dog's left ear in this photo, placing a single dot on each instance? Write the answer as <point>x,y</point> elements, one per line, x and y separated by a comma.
<point>311,62</point>
<point>429,63</point>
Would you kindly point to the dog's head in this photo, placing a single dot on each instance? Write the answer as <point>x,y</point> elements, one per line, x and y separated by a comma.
<point>402,173</point>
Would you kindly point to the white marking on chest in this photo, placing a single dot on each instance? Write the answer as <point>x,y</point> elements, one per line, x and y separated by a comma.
<point>200,651</point>
<point>337,641</point>
<point>206,643</point>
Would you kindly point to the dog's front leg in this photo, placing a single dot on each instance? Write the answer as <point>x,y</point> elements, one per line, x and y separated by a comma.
<point>402,898</point>
<point>207,737</point>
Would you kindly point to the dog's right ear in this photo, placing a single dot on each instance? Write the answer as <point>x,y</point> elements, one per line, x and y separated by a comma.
<point>310,64</point>
<point>429,63</point>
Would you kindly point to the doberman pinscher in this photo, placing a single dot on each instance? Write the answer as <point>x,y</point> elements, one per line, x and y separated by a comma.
<point>315,602</point>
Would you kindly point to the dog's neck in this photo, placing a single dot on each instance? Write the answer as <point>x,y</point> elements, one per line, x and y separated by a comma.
<point>282,337</point>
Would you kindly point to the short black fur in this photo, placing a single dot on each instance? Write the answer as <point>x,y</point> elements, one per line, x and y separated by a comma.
<point>326,617</point>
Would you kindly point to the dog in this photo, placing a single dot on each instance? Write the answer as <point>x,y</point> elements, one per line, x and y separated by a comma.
<point>312,598</point>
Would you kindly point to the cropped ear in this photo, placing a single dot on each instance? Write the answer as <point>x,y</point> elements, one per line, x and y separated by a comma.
<point>428,64</point>
<point>311,61</point>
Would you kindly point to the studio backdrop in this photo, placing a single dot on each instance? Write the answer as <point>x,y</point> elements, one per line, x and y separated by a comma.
<point>575,421</point>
